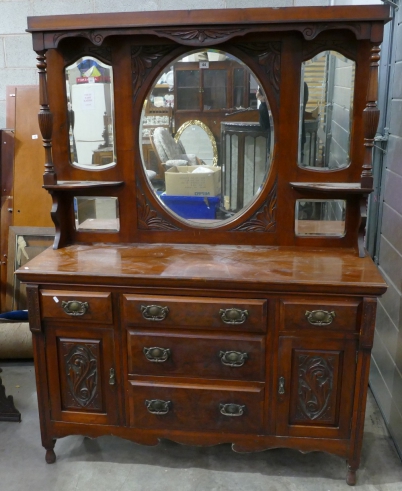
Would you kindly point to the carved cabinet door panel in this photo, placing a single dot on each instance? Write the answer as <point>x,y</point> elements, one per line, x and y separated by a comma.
<point>82,375</point>
<point>315,387</point>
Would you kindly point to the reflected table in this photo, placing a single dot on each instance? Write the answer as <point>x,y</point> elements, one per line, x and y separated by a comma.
<point>244,161</point>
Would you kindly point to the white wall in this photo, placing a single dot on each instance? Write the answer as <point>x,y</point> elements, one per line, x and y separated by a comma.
<point>17,60</point>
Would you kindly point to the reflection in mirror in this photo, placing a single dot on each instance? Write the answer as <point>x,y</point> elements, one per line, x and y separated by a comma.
<point>206,131</point>
<point>197,136</point>
<point>89,85</point>
<point>326,104</point>
<point>320,217</point>
<point>96,214</point>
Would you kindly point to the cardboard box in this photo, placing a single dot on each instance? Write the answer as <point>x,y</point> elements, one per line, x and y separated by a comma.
<point>181,182</point>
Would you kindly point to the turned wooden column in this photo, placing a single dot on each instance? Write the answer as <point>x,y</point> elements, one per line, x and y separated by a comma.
<point>371,116</point>
<point>45,118</point>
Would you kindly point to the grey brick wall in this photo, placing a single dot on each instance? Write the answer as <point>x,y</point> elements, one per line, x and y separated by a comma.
<point>17,60</point>
<point>386,367</point>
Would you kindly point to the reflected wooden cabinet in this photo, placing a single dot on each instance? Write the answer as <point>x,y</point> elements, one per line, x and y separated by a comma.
<point>205,94</point>
<point>254,330</point>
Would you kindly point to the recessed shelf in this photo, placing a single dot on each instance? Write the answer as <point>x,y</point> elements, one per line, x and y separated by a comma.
<point>72,185</point>
<point>331,187</point>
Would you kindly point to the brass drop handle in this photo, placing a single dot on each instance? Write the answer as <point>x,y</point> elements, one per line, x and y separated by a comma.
<point>231,409</point>
<point>233,316</point>
<point>75,307</point>
<point>154,312</point>
<point>112,377</point>
<point>156,355</point>
<point>233,358</point>
<point>156,406</point>
<point>281,389</point>
<point>320,317</point>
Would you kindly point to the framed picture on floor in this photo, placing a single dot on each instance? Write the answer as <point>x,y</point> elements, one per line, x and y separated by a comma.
<point>24,243</point>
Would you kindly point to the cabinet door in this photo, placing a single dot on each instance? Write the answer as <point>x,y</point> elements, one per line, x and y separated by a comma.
<point>82,380</point>
<point>315,387</point>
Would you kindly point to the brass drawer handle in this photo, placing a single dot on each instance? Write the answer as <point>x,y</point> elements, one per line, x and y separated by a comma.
<point>75,307</point>
<point>156,406</point>
<point>156,355</point>
<point>281,389</point>
<point>233,358</point>
<point>233,316</point>
<point>231,409</point>
<point>320,317</point>
<point>154,312</point>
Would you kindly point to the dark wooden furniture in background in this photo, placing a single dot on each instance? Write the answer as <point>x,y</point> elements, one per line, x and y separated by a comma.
<point>8,412</point>
<point>244,332</point>
<point>21,164</point>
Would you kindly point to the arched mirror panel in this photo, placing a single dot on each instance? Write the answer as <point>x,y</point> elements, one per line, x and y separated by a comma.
<point>326,110</point>
<point>207,137</point>
<point>89,85</point>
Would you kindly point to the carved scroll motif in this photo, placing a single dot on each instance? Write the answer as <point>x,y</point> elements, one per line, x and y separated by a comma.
<point>81,365</point>
<point>143,59</point>
<point>45,118</point>
<point>314,387</point>
<point>312,31</point>
<point>264,220</point>
<point>269,56</point>
<point>205,36</point>
<point>371,116</point>
<point>96,37</point>
<point>148,219</point>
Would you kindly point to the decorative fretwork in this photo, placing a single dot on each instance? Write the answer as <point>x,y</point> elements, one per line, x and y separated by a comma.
<point>315,385</point>
<point>205,36</point>
<point>264,220</point>
<point>82,365</point>
<point>269,56</point>
<point>148,218</point>
<point>45,118</point>
<point>311,49</point>
<point>103,53</point>
<point>143,59</point>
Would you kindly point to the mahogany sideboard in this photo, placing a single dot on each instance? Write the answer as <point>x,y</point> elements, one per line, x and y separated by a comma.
<point>253,327</point>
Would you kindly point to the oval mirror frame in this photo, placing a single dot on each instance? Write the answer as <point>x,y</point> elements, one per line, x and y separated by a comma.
<point>194,122</point>
<point>202,88</point>
<point>326,106</point>
<point>90,108</point>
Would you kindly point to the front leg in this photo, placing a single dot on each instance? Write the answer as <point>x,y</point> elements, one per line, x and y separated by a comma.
<point>351,475</point>
<point>50,455</point>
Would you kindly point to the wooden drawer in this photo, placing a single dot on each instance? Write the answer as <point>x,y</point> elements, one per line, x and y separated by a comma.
<point>91,306</point>
<point>319,313</point>
<point>197,407</point>
<point>236,357</point>
<point>196,312</point>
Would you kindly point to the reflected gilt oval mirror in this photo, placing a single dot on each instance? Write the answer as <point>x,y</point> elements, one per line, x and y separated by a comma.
<point>89,84</point>
<point>326,106</point>
<point>207,137</point>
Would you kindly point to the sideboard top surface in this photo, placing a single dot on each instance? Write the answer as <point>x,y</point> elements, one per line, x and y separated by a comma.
<point>209,266</point>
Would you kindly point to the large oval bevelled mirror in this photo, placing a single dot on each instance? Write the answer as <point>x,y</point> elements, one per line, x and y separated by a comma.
<point>89,85</point>
<point>207,137</point>
<point>326,105</point>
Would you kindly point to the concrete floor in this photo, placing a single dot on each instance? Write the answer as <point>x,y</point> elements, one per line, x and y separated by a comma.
<point>113,464</point>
